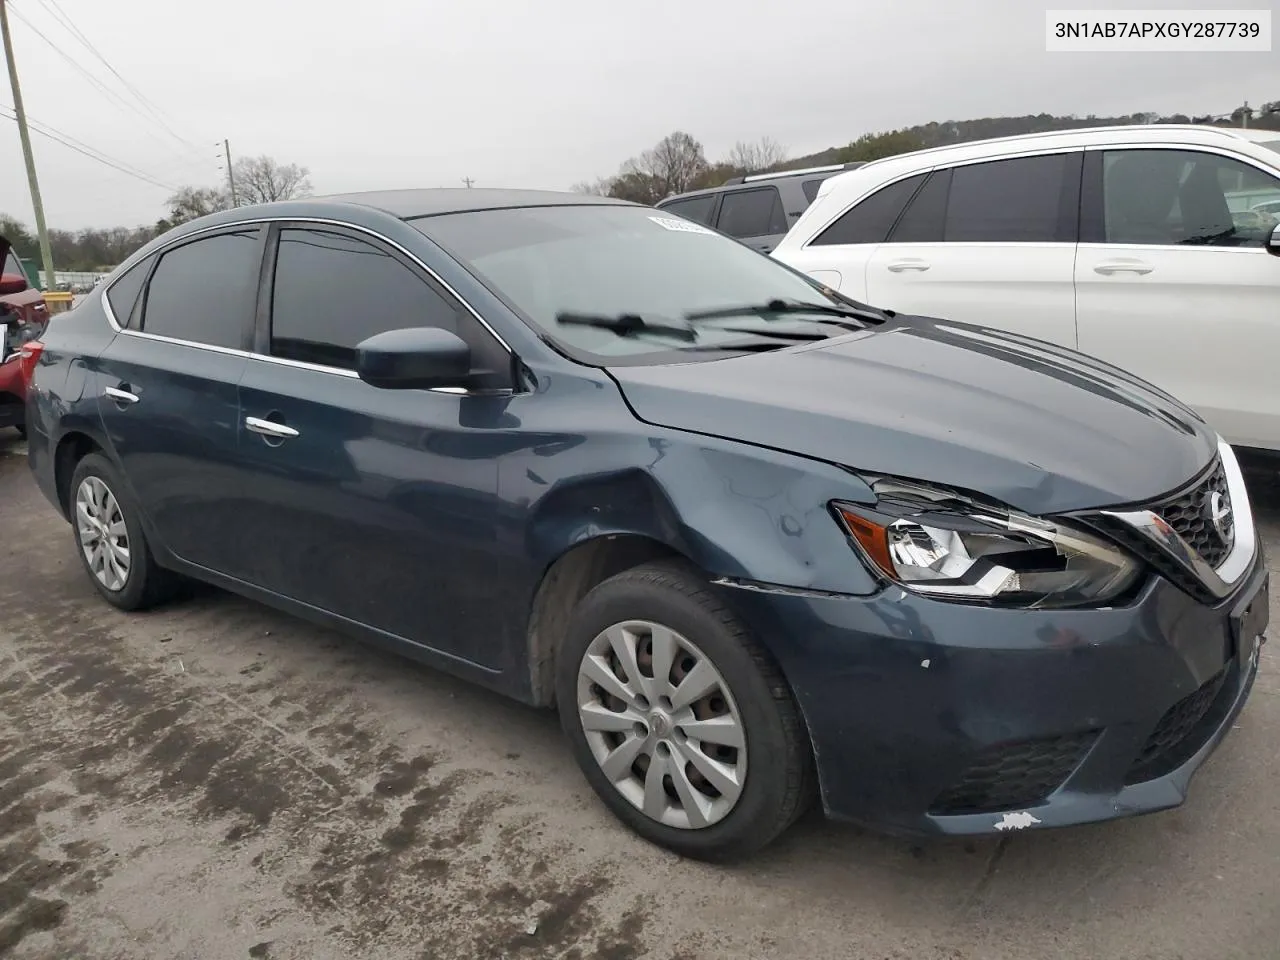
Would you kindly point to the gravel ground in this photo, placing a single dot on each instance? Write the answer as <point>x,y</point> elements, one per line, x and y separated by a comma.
<point>214,780</point>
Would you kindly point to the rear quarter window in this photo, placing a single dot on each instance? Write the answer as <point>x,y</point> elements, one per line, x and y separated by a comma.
<point>122,295</point>
<point>871,219</point>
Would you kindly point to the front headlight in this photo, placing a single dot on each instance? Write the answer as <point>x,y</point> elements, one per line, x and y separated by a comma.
<point>941,544</point>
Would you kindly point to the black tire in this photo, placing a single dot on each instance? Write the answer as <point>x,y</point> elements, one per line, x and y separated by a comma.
<point>777,787</point>
<point>147,583</point>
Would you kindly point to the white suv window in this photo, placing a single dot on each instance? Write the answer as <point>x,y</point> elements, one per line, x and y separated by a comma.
<point>1184,197</point>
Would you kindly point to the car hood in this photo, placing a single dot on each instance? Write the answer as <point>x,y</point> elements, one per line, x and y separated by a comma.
<point>1039,427</point>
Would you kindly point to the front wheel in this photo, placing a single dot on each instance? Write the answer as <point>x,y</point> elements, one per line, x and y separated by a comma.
<point>681,723</point>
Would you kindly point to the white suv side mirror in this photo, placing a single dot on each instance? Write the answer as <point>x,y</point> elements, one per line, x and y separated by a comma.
<point>1273,245</point>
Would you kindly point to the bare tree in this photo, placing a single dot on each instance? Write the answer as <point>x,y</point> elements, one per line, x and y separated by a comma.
<point>263,180</point>
<point>599,187</point>
<point>757,156</point>
<point>191,202</point>
<point>672,166</point>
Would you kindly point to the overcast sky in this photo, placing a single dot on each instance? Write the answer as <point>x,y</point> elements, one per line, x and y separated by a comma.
<point>398,93</point>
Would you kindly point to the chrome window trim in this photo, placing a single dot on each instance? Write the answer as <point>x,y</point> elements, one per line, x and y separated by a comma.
<point>283,361</point>
<point>1221,581</point>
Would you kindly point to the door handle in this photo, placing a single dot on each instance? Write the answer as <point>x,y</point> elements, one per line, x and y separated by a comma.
<point>901,266</point>
<point>1108,267</point>
<point>120,395</point>
<point>269,428</point>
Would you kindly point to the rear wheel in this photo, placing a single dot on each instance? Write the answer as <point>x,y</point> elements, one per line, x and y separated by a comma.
<point>679,720</point>
<point>110,541</point>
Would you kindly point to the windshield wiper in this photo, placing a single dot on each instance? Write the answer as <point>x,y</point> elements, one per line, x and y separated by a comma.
<point>628,324</point>
<point>801,335</point>
<point>773,308</point>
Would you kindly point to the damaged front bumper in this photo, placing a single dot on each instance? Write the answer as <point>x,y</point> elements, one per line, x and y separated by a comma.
<point>940,718</point>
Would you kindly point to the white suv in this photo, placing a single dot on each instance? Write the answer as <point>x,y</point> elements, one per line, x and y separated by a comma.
<point>1146,246</point>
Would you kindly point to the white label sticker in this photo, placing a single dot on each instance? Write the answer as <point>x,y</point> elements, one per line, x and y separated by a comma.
<point>681,226</point>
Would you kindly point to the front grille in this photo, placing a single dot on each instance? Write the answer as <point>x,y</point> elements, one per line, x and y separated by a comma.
<point>1180,733</point>
<point>1014,775</point>
<point>1191,514</point>
<point>1165,565</point>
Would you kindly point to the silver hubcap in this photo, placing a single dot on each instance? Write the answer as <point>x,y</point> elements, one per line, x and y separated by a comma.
<point>662,724</point>
<point>103,536</point>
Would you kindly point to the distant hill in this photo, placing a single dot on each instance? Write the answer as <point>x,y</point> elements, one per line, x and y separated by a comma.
<point>874,146</point>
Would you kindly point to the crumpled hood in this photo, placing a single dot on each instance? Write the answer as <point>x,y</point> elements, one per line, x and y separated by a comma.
<point>1039,427</point>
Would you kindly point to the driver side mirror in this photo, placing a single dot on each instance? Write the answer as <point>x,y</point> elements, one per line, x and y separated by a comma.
<point>415,358</point>
<point>1273,245</point>
<point>12,283</point>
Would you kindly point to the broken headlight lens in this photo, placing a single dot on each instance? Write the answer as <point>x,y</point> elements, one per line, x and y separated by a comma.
<point>941,544</point>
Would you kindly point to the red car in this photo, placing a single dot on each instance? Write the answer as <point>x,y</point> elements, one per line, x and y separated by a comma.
<point>23,317</point>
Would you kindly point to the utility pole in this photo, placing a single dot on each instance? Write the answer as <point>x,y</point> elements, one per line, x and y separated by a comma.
<point>468,181</point>
<point>1244,116</point>
<point>42,231</point>
<point>231,177</point>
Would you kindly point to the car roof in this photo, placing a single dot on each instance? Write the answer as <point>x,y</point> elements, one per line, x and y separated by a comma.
<point>1082,136</point>
<point>751,180</point>
<point>410,204</point>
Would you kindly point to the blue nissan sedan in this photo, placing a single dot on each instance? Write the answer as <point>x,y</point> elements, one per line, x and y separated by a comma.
<point>756,542</point>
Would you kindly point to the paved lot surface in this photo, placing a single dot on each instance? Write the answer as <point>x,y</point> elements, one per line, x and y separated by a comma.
<point>216,780</point>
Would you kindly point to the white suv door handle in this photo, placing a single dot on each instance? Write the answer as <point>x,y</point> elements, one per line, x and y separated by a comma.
<point>1108,267</point>
<point>120,396</point>
<point>269,428</point>
<point>901,266</point>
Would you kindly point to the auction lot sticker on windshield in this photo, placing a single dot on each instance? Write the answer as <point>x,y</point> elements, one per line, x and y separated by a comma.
<point>681,226</point>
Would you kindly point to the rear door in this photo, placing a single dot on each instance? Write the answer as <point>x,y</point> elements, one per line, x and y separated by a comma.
<point>990,243</point>
<point>754,215</point>
<point>1174,283</point>
<point>378,505</point>
<point>168,387</point>
<point>839,254</point>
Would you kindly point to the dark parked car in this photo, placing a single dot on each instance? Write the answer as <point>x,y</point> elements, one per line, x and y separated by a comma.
<point>758,209</point>
<point>754,540</point>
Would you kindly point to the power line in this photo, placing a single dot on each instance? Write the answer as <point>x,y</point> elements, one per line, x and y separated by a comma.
<point>52,7</point>
<point>83,148</point>
<point>94,81</point>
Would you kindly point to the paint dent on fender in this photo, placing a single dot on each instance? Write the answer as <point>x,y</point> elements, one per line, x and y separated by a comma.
<point>1016,821</point>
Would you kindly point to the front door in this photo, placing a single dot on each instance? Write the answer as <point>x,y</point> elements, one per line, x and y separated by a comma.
<point>167,388</point>
<point>1173,282</point>
<point>380,506</point>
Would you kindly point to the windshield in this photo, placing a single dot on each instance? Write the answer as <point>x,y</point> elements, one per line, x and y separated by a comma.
<point>611,261</point>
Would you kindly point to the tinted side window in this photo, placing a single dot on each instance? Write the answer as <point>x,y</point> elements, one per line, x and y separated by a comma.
<point>871,219</point>
<point>332,291</point>
<point>1185,197</point>
<point>752,213</point>
<point>695,208</point>
<point>204,291</point>
<point>123,294</point>
<point>1008,201</point>
<point>925,216</point>
<point>810,188</point>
